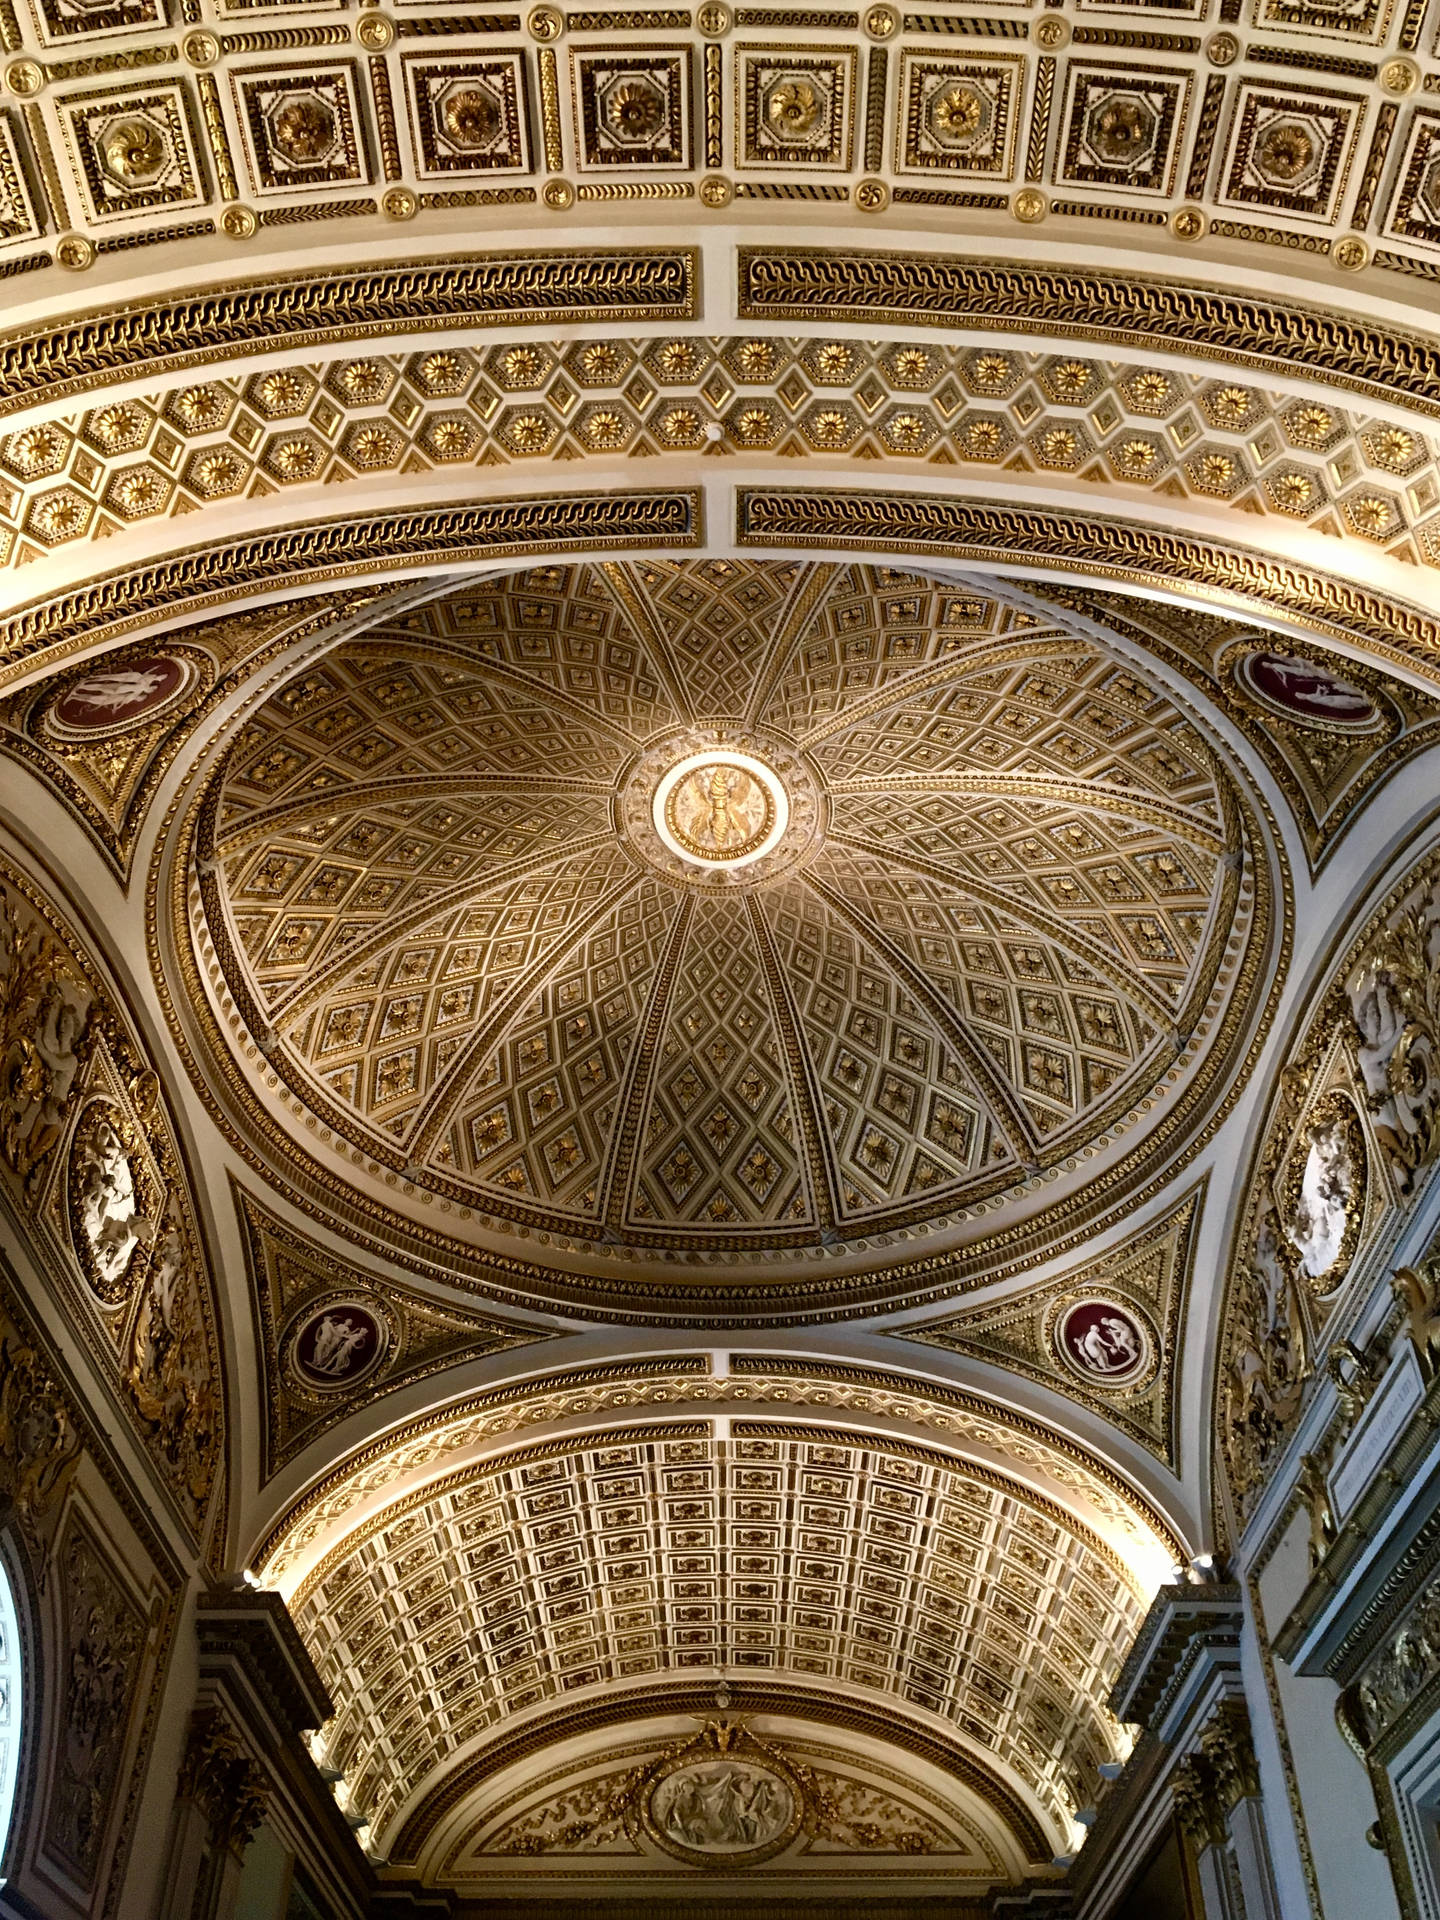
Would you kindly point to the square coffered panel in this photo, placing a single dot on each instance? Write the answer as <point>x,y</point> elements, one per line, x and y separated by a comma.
<point>795,108</point>
<point>632,109</point>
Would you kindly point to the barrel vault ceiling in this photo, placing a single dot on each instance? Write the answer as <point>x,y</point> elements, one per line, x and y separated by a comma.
<point>715,679</point>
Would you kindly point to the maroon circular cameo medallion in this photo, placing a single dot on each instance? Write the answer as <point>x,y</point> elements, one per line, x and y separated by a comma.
<point>338,1344</point>
<point>1104,1343</point>
<point>1301,690</point>
<point>112,695</point>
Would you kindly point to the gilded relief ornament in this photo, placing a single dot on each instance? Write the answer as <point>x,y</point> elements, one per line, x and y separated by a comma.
<point>792,107</point>
<point>468,113</point>
<point>724,1800</point>
<point>873,1811</point>
<point>664,1498</point>
<point>1313,1184</point>
<point>1107,1342</point>
<point>1107,1334</point>
<point>1124,126</point>
<point>333,1346</point>
<point>1394,995</point>
<point>635,111</point>
<point>1291,152</point>
<point>959,116</point>
<point>1417,1290</point>
<point>333,1338</point>
<point>219,1776</point>
<point>39,1443</point>
<point>1323,1192</point>
<point>1402,1669</point>
<point>45,1009</point>
<point>632,111</point>
<point>65,21</point>
<point>113,1202</point>
<point>471,117</point>
<point>104,1638</point>
<point>118,694</point>
<point>170,1372</point>
<point>301,127</point>
<point>109,1192</point>
<point>956,114</point>
<point>729,808</point>
<point>1286,152</point>
<point>1269,1358</point>
<point>133,153</point>
<point>1301,690</point>
<point>795,111</point>
<point>1331,730</point>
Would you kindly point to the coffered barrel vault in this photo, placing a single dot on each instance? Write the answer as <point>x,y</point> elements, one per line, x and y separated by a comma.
<point>826,1571</point>
<point>626,1537</point>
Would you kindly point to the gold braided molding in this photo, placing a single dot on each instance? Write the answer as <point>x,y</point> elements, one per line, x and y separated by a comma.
<point>943,526</point>
<point>755,1380</point>
<point>921,289</point>
<point>309,310</point>
<point>317,551</point>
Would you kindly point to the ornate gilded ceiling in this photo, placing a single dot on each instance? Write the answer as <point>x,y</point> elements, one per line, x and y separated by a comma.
<point>801,1563</point>
<point>1303,128</point>
<point>706,669</point>
<point>1228,444</point>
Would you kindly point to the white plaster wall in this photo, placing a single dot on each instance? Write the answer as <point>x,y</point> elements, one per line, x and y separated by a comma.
<point>1354,1879</point>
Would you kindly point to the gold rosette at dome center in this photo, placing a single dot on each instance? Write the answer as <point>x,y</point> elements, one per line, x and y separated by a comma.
<point>721,809</point>
<point>999,918</point>
<point>719,812</point>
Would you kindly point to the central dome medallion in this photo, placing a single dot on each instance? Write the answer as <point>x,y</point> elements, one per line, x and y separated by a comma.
<point>722,914</point>
<point>721,809</point>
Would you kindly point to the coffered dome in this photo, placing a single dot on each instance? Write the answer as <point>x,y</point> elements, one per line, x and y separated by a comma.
<point>696,910</point>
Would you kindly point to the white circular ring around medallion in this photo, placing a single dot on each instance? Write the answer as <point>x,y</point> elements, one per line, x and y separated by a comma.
<point>715,808</point>
<point>721,808</point>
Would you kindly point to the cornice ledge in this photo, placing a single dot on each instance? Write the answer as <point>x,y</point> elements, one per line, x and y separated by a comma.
<point>1376,1559</point>
<point>250,1628</point>
<point>1185,1627</point>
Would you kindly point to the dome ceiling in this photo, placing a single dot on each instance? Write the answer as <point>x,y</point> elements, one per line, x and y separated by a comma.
<point>676,908</point>
<point>646,934</point>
